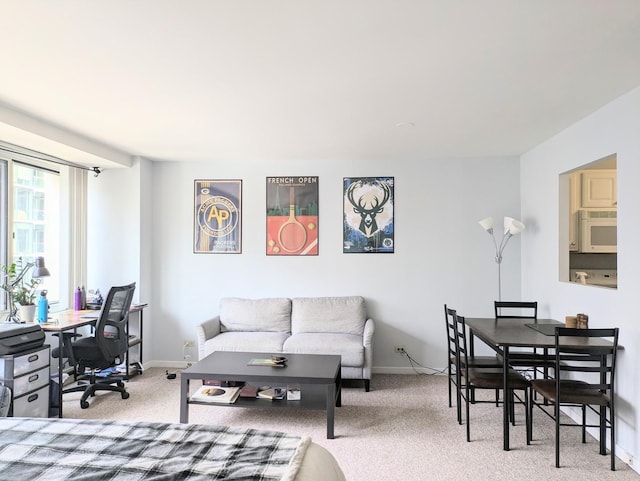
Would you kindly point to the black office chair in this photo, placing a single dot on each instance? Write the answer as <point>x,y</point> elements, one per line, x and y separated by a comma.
<point>106,348</point>
<point>585,378</point>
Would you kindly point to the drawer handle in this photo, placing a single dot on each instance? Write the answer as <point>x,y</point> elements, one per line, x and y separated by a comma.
<point>35,357</point>
<point>32,398</point>
<point>33,377</point>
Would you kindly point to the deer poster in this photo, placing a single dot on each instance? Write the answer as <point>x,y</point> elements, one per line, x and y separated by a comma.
<point>292,216</point>
<point>368,215</point>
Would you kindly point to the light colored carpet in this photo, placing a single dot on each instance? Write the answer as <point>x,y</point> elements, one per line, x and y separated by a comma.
<point>402,430</point>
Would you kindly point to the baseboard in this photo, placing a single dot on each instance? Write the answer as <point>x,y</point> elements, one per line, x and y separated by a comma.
<point>404,370</point>
<point>165,364</point>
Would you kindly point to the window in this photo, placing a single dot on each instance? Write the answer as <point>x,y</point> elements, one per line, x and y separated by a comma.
<point>4,190</point>
<point>39,216</point>
<point>36,220</point>
<point>589,205</point>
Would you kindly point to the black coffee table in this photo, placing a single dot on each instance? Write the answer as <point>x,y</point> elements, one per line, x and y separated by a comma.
<point>318,375</point>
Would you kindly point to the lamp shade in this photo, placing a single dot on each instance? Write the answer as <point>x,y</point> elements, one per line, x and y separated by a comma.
<point>512,226</point>
<point>486,223</point>
<point>40,269</point>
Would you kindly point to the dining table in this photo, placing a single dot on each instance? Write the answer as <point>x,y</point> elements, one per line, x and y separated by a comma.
<point>506,333</point>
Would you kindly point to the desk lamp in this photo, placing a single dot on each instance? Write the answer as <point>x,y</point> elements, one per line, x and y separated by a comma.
<point>511,228</point>
<point>39,271</point>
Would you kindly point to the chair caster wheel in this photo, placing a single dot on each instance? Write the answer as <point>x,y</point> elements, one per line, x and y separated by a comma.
<point>84,404</point>
<point>120,384</point>
<point>125,395</point>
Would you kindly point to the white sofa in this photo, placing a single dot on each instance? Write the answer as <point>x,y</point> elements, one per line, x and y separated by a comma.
<point>308,325</point>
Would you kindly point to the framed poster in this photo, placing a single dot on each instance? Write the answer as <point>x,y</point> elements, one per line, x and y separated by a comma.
<point>368,224</point>
<point>292,216</point>
<point>217,225</point>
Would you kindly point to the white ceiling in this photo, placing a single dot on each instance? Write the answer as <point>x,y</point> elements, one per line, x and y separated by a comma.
<point>324,80</point>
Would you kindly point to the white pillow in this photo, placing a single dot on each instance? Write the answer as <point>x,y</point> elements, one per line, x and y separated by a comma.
<point>346,315</point>
<point>266,315</point>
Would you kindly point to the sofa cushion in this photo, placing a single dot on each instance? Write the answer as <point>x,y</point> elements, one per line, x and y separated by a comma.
<point>266,315</point>
<point>246,342</point>
<point>348,346</point>
<point>345,315</point>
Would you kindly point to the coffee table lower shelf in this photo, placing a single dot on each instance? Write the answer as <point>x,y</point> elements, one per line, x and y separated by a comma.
<point>323,390</point>
<point>313,398</point>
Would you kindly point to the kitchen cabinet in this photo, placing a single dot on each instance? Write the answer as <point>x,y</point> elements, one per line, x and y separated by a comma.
<point>599,188</point>
<point>574,211</point>
<point>594,189</point>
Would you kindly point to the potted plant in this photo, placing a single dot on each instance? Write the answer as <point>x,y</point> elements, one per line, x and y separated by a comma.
<point>21,291</point>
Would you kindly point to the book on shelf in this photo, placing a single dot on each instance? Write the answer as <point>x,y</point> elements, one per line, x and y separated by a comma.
<point>293,392</point>
<point>249,391</point>
<point>216,394</point>
<point>273,393</point>
<point>218,382</point>
<point>279,362</point>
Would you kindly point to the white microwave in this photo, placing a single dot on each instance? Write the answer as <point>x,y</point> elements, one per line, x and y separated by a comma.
<point>598,231</point>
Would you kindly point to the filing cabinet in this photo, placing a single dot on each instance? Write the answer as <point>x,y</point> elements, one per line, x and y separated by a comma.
<point>27,374</point>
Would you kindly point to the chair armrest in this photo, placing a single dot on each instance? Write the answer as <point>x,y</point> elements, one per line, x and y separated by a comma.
<point>205,331</point>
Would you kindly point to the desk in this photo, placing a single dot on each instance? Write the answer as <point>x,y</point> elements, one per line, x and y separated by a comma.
<point>71,320</point>
<point>505,333</point>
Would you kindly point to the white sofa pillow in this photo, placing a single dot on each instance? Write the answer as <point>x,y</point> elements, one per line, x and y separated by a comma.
<point>328,314</point>
<point>266,315</point>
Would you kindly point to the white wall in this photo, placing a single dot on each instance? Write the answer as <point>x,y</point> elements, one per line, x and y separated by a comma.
<point>442,254</point>
<point>613,129</point>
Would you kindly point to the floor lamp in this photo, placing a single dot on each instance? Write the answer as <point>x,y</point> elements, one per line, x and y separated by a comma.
<point>511,228</point>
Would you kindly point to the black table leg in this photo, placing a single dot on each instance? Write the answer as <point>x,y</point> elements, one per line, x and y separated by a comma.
<point>506,398</point>
<point>331,402</point>
<point>60,369</point>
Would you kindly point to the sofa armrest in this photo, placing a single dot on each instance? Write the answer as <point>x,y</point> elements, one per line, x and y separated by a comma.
<point>205,331</point>
<point>367,342</point>
<point>367,335</point>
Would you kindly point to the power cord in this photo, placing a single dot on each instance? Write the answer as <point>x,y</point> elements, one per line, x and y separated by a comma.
<point>415,363</point>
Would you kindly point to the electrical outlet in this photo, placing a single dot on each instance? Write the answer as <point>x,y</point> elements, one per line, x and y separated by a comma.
<point>400,349</point>
<point>189,343</point>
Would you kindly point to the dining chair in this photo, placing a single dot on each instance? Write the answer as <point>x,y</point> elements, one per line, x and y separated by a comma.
<point>528,360</point>
<point>584,378</point>
<point>516,309</point>
<point>470,378</point>
<point>452,364</point>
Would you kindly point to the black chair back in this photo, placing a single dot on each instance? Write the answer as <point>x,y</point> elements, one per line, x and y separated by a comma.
<point>516,309</point>
<point>593,366</point>
<point>450,324</point>
<point>111,327</point>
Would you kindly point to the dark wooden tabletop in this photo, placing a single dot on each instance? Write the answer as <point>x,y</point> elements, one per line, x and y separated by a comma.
<point>514,332</point>
<point>300,368</point>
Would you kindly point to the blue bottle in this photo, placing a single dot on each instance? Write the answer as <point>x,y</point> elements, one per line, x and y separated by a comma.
<point>43,306</point>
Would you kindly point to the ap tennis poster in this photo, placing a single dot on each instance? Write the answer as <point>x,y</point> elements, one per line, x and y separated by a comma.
<point>217,217</point>
<point>292,216</point>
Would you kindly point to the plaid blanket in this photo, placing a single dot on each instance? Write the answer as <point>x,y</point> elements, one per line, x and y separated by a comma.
<point>73,449</point>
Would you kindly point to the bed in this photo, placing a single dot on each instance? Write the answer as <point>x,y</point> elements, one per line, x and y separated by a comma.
<point>89,449</point>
